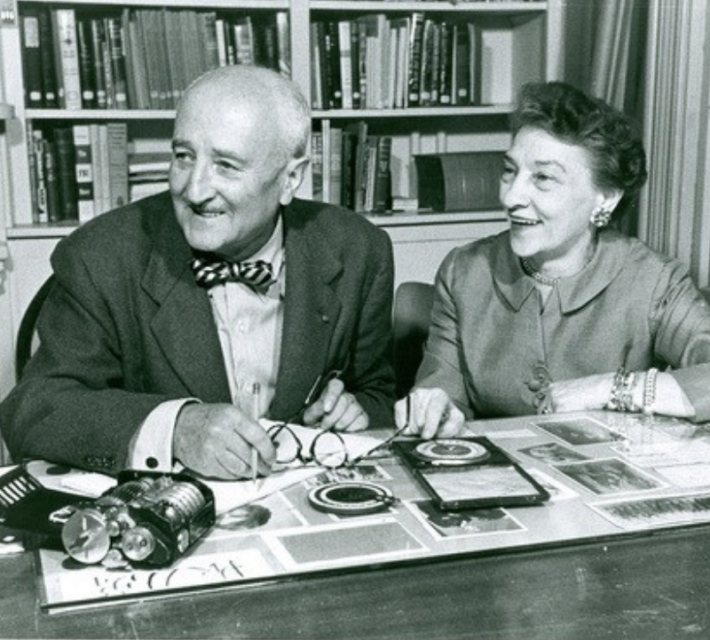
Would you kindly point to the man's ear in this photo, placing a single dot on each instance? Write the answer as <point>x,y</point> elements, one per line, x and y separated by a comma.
<point>292,178</point>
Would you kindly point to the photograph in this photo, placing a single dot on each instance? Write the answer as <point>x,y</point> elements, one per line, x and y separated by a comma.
<point>467,522</point>
<point>610,475</point>
<point>552,453</point>
<point>577,431</point>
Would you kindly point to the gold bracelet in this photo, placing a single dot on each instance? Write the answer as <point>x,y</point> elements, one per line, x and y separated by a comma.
<point>649,391</point>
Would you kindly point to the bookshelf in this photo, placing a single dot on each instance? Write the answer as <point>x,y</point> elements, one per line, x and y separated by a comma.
<point>519,41</point>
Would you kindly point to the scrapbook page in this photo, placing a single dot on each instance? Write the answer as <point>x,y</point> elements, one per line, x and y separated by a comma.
<point>374,514</point>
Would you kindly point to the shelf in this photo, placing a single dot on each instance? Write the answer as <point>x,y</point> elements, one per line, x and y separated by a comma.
<point>454,6</point>
<point>23,232</point>
<point>420,219</point>
<point>100,114</point>
<point>35,231</point>
<point>415,112</point>
<point>332,114</point>
<point>210,4</point>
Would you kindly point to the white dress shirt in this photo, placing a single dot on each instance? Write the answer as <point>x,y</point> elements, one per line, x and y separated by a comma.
<point>249,325</point>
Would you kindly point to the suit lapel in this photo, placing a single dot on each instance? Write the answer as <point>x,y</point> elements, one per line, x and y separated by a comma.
<point>184,326</point>
<point>310,314</point>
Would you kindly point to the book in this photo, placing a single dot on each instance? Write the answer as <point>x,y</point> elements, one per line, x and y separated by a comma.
<point>114,35</point>
<point>117,138</point>
<point>49,68</point>
<point>346,63</point>
<point>336,165</point>
<point>446,62</point>
<point>86,63</point>
<point>35,158</point>
<point>317,165</point>
<point>32,58</point>
<point>475,63</point>
<point>84,171</point>
<point>461,75</point>
<point>67,57</point>
<point>382,189</point>
<point>244,40</point>
<point>98,163</point>
<point>284,42</point>
<point>136,62</point>
<point>331,56</point>
<point>66,173</point>
<point>51,179</point>
<point>463,181</point>
<point>359,131</point>
<point>416,36</point>
<point>98,44</point>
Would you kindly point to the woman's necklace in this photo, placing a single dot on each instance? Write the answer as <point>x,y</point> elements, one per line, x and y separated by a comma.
<point>536,275</point>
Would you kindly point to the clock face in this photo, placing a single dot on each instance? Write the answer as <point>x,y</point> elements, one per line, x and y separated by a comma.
<point>85,536</point>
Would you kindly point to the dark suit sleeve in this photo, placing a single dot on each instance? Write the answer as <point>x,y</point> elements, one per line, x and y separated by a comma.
<point>371,352</point>
<point>73,404</point>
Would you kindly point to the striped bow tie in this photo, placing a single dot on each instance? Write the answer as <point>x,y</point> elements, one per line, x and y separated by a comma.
<point>213,271</point>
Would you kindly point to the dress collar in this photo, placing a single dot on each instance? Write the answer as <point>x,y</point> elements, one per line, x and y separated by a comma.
<point>609,259</point>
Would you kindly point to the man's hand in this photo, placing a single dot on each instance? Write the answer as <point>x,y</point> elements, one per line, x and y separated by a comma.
<point>216,441</point>
<point>336,408</point>
<point>429,413</point>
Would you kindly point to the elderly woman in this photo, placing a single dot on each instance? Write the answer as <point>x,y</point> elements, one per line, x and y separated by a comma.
<point>560,312</point>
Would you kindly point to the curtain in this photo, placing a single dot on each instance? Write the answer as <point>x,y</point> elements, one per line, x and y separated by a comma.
<point>606,45</point>
<point>675,208</point>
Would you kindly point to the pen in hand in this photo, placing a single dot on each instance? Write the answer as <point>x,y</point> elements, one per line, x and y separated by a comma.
<point>255,414</point>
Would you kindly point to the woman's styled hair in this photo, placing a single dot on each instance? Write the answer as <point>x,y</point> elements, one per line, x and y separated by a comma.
<point>617,155</point>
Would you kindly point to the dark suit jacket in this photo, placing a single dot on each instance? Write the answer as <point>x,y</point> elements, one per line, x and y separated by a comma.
<point>126,328</point>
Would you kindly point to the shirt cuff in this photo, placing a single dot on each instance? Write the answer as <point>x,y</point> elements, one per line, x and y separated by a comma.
<point>151,448</point>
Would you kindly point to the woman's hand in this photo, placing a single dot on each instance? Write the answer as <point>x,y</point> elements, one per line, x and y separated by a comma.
<point>429,413</point>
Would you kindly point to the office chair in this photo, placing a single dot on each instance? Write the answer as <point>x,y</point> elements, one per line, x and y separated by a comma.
<point>27,334</point>
<point>411,316</point>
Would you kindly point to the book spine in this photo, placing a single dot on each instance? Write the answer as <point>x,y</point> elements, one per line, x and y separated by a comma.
<point>382,191</point>
<point>97,166</point>
<point>98,42</point>
<point>51,178</point>
<point>47,62</point>
<point>355,65</point>
<point>317,165</point>
<point>69,56</point>
<point>284,43</point>
<point>346,63</point>
<point>446,62</point>
<point>32,165</point>
<point>32,59</point>
<point>336,165</point>
<point>66,173</point>
<point>415,60</point>
<point>117,138</point>
<point>86,64</point>
<point>244,41</point>
<point>210,46</point>
<point>332,50</point>
<point>84,171</point>
<point>117,56</point>
<point>219,26</point>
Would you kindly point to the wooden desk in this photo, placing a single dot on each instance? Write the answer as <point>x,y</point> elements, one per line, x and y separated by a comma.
<point>650,585</point>
<point>650,588</point>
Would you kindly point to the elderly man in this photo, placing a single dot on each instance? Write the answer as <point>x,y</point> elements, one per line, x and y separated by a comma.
<point>179,320</point>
